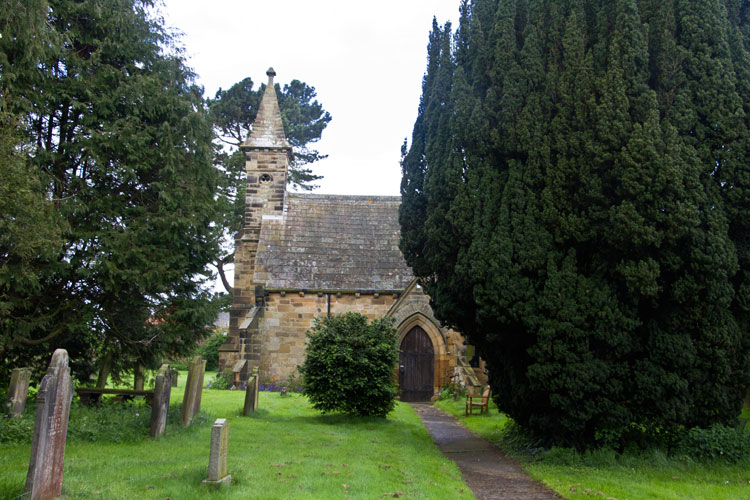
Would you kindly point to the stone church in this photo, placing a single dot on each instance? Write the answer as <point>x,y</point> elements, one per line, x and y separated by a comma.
<point>299,256</point>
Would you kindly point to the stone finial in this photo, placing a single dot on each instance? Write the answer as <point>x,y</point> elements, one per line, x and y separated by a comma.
<point>270,73</point>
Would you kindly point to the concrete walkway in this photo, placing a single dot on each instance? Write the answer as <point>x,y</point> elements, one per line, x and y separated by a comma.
<point>487,471</point>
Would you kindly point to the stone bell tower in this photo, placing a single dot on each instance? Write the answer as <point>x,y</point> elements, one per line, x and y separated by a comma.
<point>267,157</point>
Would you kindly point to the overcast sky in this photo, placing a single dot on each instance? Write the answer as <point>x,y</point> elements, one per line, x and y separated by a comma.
<point>365,59</point>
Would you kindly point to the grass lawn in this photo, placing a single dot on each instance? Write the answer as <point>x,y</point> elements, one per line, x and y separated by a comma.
<point>645,476</point>
<point>285,451</point>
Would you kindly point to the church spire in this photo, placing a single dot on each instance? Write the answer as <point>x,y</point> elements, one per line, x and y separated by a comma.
<point>268,130</point>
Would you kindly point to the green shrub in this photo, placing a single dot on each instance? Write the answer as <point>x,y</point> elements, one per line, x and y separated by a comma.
<point>209,349</point>
<point>221,381</point>
<point>716,442</point>
<point>350,365</point>
<point>17,430</point>
<point>450,390</point>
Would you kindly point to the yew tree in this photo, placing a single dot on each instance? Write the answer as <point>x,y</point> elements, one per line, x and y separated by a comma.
<point>113,144</point>
<point>575,200</point>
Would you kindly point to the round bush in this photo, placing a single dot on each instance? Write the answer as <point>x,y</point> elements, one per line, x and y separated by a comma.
<point>350,365</point>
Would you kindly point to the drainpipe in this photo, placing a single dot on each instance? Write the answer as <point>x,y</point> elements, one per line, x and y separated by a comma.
<point>329,304</point>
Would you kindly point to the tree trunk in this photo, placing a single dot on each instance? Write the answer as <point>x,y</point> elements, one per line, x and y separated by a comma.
<point>104,370</point>
<point>139,376</point>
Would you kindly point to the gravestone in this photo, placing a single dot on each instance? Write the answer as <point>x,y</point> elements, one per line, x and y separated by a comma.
<point>17,392</point>
<point>251,395</point>
<point>160,404</point>
<point>191,403</point>
<point>45,476</point>
<point>174,375</point>
<point>217,461</point>
<point>256,386</point>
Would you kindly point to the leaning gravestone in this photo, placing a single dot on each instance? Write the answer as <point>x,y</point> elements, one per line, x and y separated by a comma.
<point>45,476</point>
<point>174,375</point>
<point>160,404</point>
<point>256,386</point>
<point>251,393</point>
<point>191,403</point>
<point>217,460</point>
<point>17,392</point>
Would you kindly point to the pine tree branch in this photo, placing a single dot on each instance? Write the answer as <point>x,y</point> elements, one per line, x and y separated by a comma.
<point>220,266</point>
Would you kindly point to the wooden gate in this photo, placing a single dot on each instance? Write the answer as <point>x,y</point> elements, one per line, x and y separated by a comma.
<point>416,366</point>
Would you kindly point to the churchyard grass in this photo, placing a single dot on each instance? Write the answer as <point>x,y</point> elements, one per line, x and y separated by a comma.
<point>647,475</point>
<point>285,450</point>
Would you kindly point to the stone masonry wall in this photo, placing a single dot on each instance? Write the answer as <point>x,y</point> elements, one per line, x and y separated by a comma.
<point>289,315</point>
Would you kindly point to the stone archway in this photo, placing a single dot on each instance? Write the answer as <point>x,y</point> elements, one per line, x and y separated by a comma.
<point>423,349</point>
<point>416,361</point>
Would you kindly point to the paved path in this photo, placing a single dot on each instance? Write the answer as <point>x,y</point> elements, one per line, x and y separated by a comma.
<point>489,473</point>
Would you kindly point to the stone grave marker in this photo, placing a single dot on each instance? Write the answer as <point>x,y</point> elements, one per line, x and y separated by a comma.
<point>251,393</point>
<point>256,386</point>
<point>174,374</point>
<point>250,396</point>
<point>217,461</point>
<point>17,392</point>
<point>191,403</point>
<point>160,404</point>
<point>45,476</point>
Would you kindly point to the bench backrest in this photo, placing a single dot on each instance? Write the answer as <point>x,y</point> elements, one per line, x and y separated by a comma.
<point>486,394</point>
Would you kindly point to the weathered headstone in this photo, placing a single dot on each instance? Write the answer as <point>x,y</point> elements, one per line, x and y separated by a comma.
<point>45,476</point>
<point>174,375</point>
<point>17,392</point>
<point>256,386</point>
<point>251,396</point>
<point>217,461</point>
<point>160,404</point>
<point>191,403</point>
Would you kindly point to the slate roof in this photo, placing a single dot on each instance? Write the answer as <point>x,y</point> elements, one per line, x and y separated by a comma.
<point>332,242</point>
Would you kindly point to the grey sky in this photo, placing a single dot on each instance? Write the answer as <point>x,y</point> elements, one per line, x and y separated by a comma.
<point>365,59</point>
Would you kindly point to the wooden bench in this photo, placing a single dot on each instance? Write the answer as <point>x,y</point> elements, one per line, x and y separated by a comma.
<point>93,396</point>
<point>482,404</point>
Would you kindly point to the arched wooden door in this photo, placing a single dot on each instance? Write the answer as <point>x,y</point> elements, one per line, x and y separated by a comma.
<point>416,366</point>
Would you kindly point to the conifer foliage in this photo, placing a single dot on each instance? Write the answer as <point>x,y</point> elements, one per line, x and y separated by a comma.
<point>575,200</point>
<point>114,148</point>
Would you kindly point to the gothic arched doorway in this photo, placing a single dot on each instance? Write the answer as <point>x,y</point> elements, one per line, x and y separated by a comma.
<point>416,366</point>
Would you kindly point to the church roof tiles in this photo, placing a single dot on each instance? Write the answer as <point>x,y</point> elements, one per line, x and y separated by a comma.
<point>332,242</point>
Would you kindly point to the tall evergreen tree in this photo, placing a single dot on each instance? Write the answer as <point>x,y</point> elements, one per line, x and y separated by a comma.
<point>589,211</point>
<point>116,131</point>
